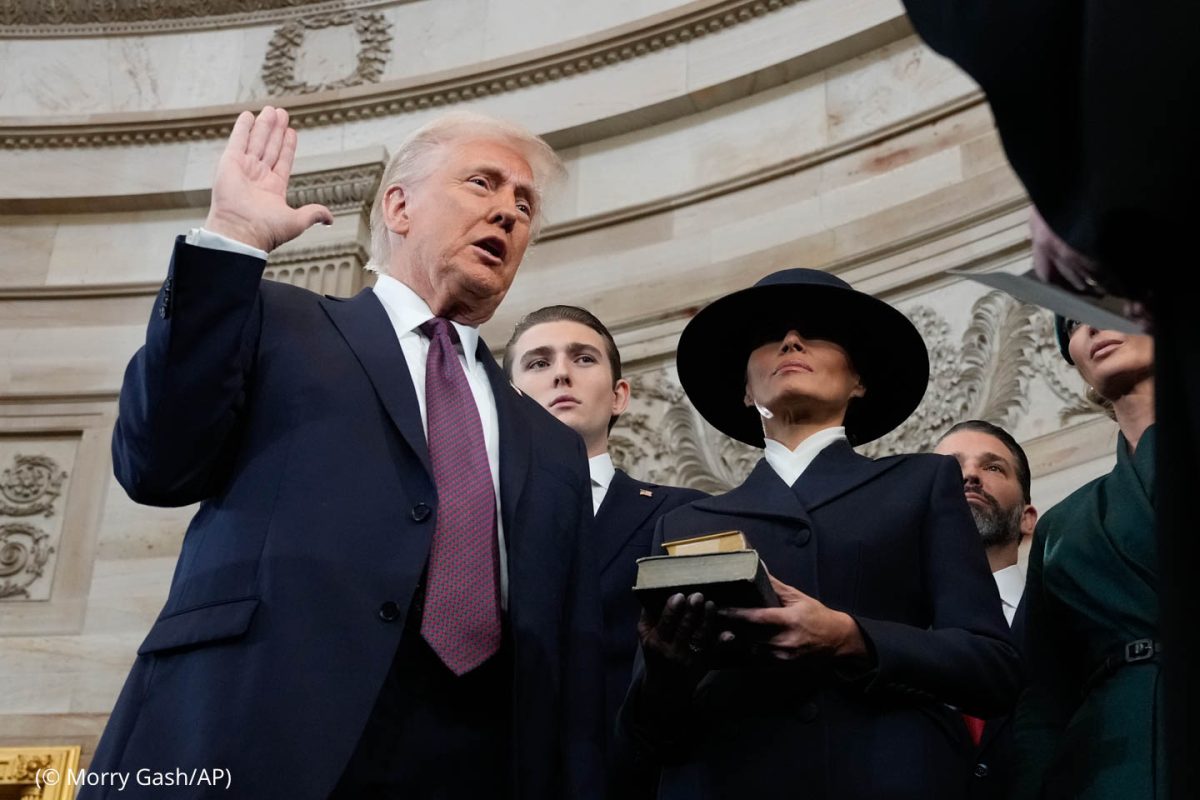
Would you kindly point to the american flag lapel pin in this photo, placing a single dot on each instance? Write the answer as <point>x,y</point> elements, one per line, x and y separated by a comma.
<point>645,493</point>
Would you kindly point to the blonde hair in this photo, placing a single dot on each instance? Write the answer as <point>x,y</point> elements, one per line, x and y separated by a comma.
<point>414,160</point>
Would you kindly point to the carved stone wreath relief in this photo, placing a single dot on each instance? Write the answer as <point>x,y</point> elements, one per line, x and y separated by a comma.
<point>984,374</point>
<point>374,38</point>
<point>30,487</point>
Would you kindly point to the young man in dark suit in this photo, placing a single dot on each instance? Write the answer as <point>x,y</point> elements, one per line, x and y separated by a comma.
<point>565,359</point>
<point>996,482</point>
<point>388,589</point>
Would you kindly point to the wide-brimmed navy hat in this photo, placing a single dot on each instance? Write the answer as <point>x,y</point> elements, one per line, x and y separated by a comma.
<point>885,349</point>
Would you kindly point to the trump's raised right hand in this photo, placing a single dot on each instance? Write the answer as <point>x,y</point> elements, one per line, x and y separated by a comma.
<point>249,195</point>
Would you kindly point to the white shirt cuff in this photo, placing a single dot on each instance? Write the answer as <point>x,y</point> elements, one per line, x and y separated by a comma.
<point>199,237</point>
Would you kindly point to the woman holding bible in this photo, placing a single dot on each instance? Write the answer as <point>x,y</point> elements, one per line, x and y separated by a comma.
<point>890,625</point>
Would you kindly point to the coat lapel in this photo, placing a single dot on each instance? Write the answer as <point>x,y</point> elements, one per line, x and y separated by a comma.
<point>763,495</point>
<point>515,440</point>
<point>835,471</point>
<point>624,510</point>
<point>365,326</point>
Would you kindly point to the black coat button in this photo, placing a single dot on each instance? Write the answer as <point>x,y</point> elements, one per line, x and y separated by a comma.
<point>421,512</point>
<point>808,712</point>
<point>389,611</point>
<point>981,770</point>
<point>800,537</point>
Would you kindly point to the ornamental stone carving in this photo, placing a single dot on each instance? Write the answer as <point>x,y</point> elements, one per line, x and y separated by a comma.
<point>30,486</point>
<point>90,17</point>
<point>391,100</point>
<point>24,551</point>
<point>340,189</point>
<point>374,37</point>
<point>986,373</point>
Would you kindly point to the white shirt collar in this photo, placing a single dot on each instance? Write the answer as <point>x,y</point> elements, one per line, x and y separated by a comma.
<point>602,469</point>
<point>408,312</point>
<point>790,464</point>
<point>1011,584</point>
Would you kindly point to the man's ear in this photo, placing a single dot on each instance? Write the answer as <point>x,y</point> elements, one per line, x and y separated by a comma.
<point>621,392</point>
<point>395,210</point>
<point>1028,520</point>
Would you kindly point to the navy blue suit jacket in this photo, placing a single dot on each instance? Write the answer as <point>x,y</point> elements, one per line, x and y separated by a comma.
<point>993,762</point>
<point>623,530</point>
<point>892,543</point>
<point>292,419</point>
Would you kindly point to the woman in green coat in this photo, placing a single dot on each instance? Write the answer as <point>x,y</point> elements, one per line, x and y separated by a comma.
<point>1090,724</point>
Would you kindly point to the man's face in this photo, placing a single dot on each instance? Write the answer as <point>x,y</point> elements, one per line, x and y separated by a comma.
<point>465,228</point>
<point>991,485</point>
<point>797,373</point>
<point>564,366</point>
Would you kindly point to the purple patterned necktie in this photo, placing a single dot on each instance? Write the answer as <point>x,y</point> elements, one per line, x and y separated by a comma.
<point>461,621</point>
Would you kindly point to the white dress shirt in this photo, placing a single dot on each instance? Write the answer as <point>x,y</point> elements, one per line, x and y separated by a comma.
<point>790,464</point>
<point>1011,584</point>
<point>602,470</point>
<point>407,312</point>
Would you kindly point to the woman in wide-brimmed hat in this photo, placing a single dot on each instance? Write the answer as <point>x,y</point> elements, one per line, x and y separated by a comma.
<point>889,613</point>
<point>1092,722</point>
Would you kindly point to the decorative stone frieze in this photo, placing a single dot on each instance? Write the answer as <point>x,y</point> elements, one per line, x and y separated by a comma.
<point>89,18</point>
<point>30,486</point>
<point>341,189</point>
<point>374,38</point>
<point>24,552</point>
<point>400,98</point>
<point>330,269</point>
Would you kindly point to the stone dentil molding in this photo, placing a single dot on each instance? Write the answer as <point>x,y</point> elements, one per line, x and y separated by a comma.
<point>401,97</point>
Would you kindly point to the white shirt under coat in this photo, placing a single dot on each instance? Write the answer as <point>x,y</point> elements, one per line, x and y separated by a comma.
<point>602,471</point>
<point>789,465</point>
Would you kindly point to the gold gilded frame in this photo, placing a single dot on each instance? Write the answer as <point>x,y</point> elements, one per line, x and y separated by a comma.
<point>21,767</point>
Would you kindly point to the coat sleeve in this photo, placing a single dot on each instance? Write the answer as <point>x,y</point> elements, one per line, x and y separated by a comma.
<point>653,722</point>
<point>1047,703</point>
<point>185,388</point>
<point>965,657</point>
<point>583,675</point>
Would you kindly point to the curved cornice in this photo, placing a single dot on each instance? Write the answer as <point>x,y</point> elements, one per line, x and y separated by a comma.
<point>35,19</point>
<point>397,97</point>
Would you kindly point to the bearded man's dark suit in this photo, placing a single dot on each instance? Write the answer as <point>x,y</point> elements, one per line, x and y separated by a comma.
<point>624,529</point>
<point>993,762</point>
<point>892,543</point>
<point>293,421</point>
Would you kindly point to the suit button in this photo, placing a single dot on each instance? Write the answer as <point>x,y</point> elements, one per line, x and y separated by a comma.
<point>420,512</point>
<point>981,770</point>
<point>389,611</point>
<point>808,712</point>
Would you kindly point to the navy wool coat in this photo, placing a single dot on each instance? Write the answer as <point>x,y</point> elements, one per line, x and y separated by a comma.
<point>892,543</point>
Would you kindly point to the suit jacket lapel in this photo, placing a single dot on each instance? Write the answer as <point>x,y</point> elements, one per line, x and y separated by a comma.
<point>515,440</point>
<point>836,470</point>
<point>365,326</point>
<point>624,510</point>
